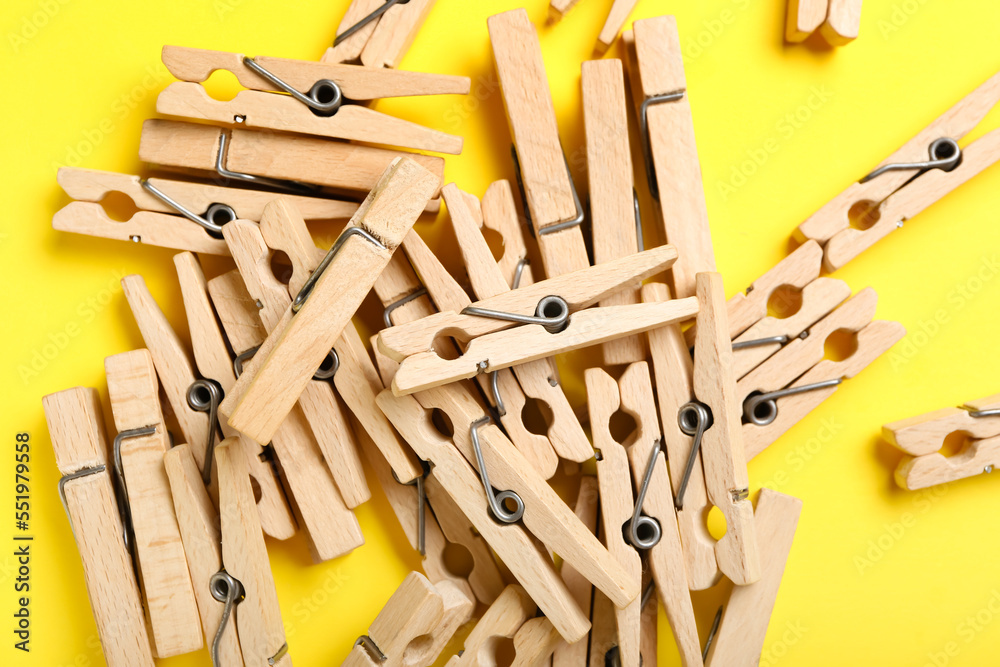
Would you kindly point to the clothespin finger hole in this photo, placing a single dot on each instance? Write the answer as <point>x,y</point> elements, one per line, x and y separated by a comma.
<point>446,347</point>
<point>622,426</point>
<point>442,423</point>
<point>281,266</point>
<point>458,560</point>
<point>417,651</point>
<point>864,214</point>
<point>119,206</point>
<point>536,416</point>
<point>784,302</point>
<point>715,523</point>
<point>495,241</point>
<point>840,345</point>
<point>501,649</point>
<point>955,443</point>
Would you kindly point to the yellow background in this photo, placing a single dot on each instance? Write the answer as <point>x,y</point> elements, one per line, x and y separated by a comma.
<point>80,77</point>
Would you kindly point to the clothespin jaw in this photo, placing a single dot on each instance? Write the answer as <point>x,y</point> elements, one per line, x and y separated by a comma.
<point>148,513</point>
<point>838,21</point>
<point>258,616</point>
<point>921,172</point>
<point>296,348</point>
<point>747,613</point>
<point>722,447</point>
<point>923,438</point>
<point>76,429</point>
<point>296,164</point>
<point>503,619</point>
<point>378,32</point>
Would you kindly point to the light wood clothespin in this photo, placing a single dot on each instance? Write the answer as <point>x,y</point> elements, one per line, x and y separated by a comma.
<point>513,544</point>
<point>180,215</point>
<point>76,429</point>
<point>673,370</point>
<point>213,362</point>
<point>673,169</point>
<point>200,533</point>
<point>244,557</point>
<point>615,221</point>
<point>924,170</point>
<point>779,392</point>
<point>923,437</point>
<point>291,160</point>
<point>650,521</point>
<point>316,107</point>
<point>327,419</point>
<point>418,609</point>
<point>297,346</point>
<point>332,528</point>
<point>617,16</point>
<point>747,613</point>
<point>503,619</point>
<point>575,654</point>
<point>144,491</point>
<point>838,21</point>
<point>550,198</point>
<point>378,32</point>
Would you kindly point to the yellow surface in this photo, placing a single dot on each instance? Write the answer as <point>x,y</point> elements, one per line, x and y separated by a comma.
<point>877,576</point>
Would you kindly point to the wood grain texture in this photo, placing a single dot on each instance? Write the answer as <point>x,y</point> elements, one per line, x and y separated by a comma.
<point>349,50</point>
<point>166,584</point>
<point>534,643</point>
<point>269,111</point>
<point>258,616</point>
<point>355,82</point>
<point>658,69</point>
<point>746,615</point>
<point>301,345</point>
<point>804,17</point>
<point>513,545</point>
<point>617,17</point>
<point>502,620</point>
<point>575,654</point>
<point>155,229</point>
<point>530,342</point>
<point>672,372</point>
<point>200,533</point>
<point>394,34</point>
<point>977,458</point>
<point>532,121</point>
<point>842,23</point>
<point>581,289</point>
<point>325,162</point>
<point>722,452</point>
<point>76,429</point>
<point>609,175</point>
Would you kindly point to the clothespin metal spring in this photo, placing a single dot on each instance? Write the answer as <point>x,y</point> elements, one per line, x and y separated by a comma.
<point>762,409</point>
<point>287,186</point>
<point>69,478</point>
<point>647,144</point>
<point>307,288</point>
<point>326,370</point>
<point>552,313</point>
<point>399,303</point>
<point>204,396</point>
<point>496,500</point>
<point>215,216</point>
<point>945,154</point>
<point>124,507</point>
<point>418,482</point>
<point>324,98</point>
<point>366,20</point>
<point>644,532</point>
<point>226,589</point>
<point>693,419</point>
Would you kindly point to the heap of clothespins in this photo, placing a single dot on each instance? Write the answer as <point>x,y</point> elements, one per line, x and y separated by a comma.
<point>284,399</point>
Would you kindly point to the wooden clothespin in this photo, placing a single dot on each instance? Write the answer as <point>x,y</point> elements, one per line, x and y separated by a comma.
<point>576,291</point>
<point>502,620</point>
<point>332,528</point>
<point>779,392</point>
<point>200,533</point>
<point>418,608</point>
<point>923,437</point>
<point>291,160</point>
<point>924,170</point>
<point>666,128</point>
<point>673,370</point>
<point>747,613</point>
<point>615,222</point>
<point>297,346</point>
<point>617,16</point>
<point>515,547</point>
<point>575,654</point>
<point>148,514</point>
<point>378,33</point>
<point>649,520</point>
<point>213,362</point>
<point>171,214</point>
<point>327,419</point>
<point>538,379</point>
<point>76,429</point>
<point>838,21</point>
<point>244,558</point>
<point>550,198</point>
<point>314,100</point>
